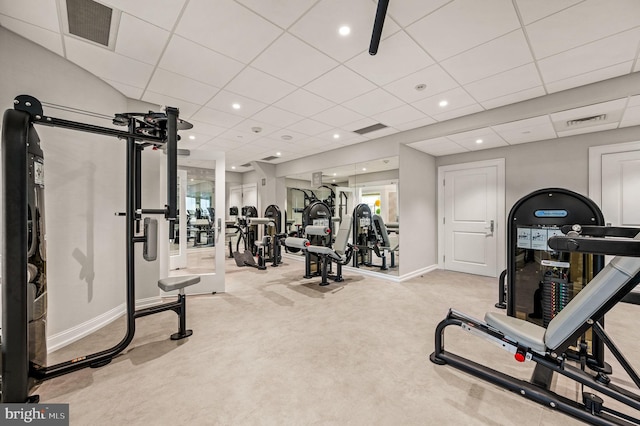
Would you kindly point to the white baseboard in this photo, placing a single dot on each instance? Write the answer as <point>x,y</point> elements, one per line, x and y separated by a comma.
<point>417,273</point>
<point>66,337</point>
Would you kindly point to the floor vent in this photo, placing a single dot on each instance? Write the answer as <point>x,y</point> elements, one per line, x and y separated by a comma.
<point>370,129</point>
<point>269,158</point>
<point>577,121</point>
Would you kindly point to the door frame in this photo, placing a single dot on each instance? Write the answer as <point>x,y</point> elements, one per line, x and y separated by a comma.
<point>595,166</point>
<point>500,227</point>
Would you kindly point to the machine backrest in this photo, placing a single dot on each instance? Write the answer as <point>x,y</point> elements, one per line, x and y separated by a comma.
<point>340,245</point>
<point>381,230</point>
<point>603,287</point>
<point>150,247</point>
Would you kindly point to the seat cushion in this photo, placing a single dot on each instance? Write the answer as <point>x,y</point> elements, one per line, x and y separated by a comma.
<point>176,283</point>
<point>525,333</point>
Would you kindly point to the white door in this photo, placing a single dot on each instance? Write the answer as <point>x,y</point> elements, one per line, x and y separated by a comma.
<point>620,188</point>
<point>472,217</point>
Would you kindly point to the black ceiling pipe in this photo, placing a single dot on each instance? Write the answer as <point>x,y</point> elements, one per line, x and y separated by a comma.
<point>377,26</point>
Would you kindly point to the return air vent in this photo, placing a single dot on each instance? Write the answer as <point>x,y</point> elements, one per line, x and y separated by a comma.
<point>269,158</point>
<point>370,129</point>
<point>583,120</point>
<point>92,21</point>
<point>245,165</point>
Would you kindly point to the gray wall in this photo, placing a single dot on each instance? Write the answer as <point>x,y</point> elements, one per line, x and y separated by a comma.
<point>554,163</point>
<point>418,210</point>
<point>84,185</point>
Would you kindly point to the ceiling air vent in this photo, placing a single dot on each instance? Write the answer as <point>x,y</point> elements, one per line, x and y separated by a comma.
<point>91,21</point>
<point>269,158</point>
<point>245,165</point>
<point>370,129</point>
<point>583,120</point>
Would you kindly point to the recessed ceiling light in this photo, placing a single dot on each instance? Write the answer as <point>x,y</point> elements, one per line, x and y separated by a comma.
<point>278,154</point>
<point>443,103</point>
<point>478,140</point>
<point>235,106</point>
<point>233,167</point>
<point>344,30</point>
<point>335,174</point>
<point>192,137</point>
<point>191,179</point>
<point>336,136</point>
<point>420,87</point>
<point>286,137</point>
<point>333,180</point>
<point>364,169</point>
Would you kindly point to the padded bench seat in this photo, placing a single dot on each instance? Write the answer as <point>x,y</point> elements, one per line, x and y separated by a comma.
<point>525,333</point>
<point>178,283</point>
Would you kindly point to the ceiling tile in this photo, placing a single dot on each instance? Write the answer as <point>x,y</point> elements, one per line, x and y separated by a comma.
<point>399,115</point>
<point>407,11</point>
<point>319,27</point>
<point>589,77</point>
<point>415,124</point>
<point>199,63</point>
<point>252,125</point>
<point>257,85</point>
<point>281,12</point>
<point>295,136</point>
<point>180,87</point>
<point>532,10</point>
<point>434,78</point>
<point>187,109</point>
<point>631,116</point>
<point>580,24</point>
<point>337,116</point>
<point>499,55</point>
<point>459,112</point>
<point>140,40</point>
<point>223,101</point>
<point>125,89</point>
<point>107,64</point>
<point>487,137</point>
<point>529,130</point>
<point>512,98</point>
<point>456,98</point>
<point>438,146</point>
<point>239,137</point>
<point>162,13</point>
<point>217,118</point>
<point>373,102</point>
<point>599,54</point>
<point>585,111</point>
<point>304,102</point>
<point>505,83</point>
<point>340,84</point>
<point>397,57</point>
<point>463,24</point>
<point>344,136</point>
<point>45,38</point>
<point>309,127</point>
<point>292,60</point>
<point>634,101</point>
<point>380,133</point>
<point>205,128</point>
<point>277,116</point>
<point>245,33</point>
<point>41,13</point>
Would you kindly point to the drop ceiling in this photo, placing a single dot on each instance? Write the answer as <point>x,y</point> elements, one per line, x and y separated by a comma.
<point>299,83</point>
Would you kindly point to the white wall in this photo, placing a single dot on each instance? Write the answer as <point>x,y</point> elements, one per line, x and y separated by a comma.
<point>417,196</point>
<point>84,184</point>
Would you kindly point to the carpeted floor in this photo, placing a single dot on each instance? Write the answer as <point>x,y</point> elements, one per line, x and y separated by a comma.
<point>277,349</point>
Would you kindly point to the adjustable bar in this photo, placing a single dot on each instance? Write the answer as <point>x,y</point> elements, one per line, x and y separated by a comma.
<point>614,247</point>
<point>601,231</point>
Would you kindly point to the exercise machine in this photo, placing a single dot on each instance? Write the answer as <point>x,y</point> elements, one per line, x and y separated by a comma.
<point>368,240</point>
<point>24,267</point>
<point>548,347</point>
<point>385,242</point>
<point>270,247</point>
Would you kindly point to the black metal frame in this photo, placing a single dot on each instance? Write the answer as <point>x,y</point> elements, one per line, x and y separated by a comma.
<point>17,131</point>
<point>554,361</point>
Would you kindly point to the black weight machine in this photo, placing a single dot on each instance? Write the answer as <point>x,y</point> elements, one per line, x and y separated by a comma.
<point>270,248</point>
<point>24,266</point>
<point>549,347</point>
<point>366,241</point>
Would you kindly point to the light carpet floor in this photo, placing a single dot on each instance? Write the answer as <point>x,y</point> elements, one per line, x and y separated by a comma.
<point>277,349</point>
